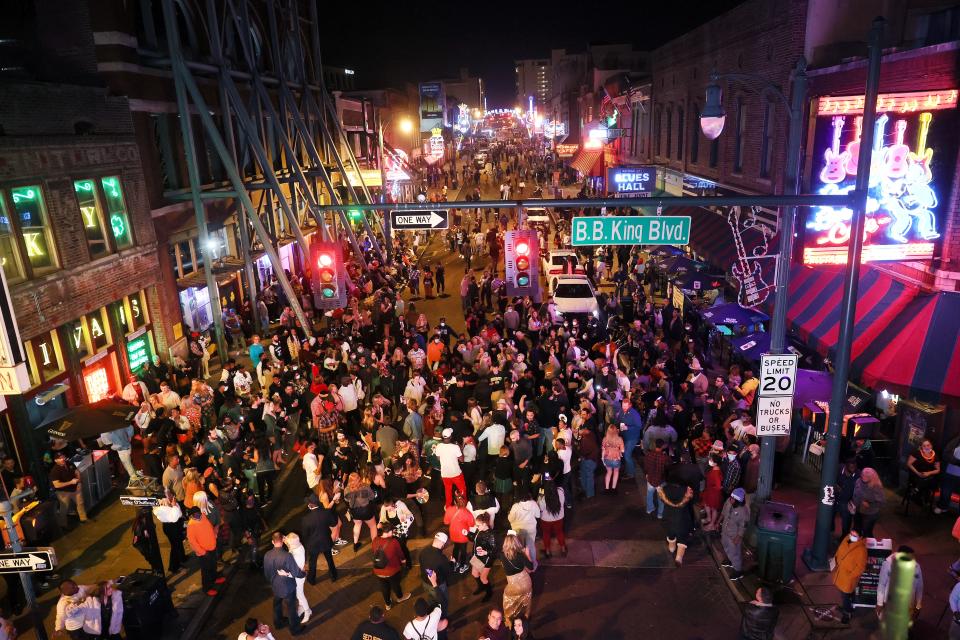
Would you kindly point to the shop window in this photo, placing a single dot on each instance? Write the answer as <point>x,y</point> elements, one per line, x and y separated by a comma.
<point>98,329</point>
<point>79,338</point>
<point>138,310</point>
<point>117,212</point>
<point>44,358</point>
<point>96,381</point>
<point>766,140</point>
<point>91,215</point>
<point>694,135</point>
<point>741,136</point>
<point>9,255</point>
<point>680,129</point>
<point>25,240</point>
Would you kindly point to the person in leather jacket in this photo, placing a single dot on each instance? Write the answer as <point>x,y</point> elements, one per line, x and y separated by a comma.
<point>759,617</point>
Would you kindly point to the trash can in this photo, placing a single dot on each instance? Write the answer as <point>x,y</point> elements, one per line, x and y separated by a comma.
<point>776,541</point>
<point>146,603</point>
<point>626,306</point>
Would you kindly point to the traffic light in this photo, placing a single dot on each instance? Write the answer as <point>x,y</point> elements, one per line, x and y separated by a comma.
<point>328,275</point>
<point>522,260</point>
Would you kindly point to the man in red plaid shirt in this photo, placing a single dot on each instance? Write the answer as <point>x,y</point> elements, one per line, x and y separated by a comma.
<point>655,464</point>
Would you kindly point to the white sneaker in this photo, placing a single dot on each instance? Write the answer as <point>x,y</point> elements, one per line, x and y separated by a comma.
<point>306,616</point>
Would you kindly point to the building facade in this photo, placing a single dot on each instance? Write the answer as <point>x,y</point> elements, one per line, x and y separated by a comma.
<point>533,77</point>
<point>78,247</point>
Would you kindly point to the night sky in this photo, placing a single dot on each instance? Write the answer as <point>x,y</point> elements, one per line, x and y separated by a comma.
<point>388,44</point>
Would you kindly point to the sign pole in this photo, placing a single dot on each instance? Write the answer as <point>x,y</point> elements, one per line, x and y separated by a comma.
<point>6,511</point>
<point>816,557</point>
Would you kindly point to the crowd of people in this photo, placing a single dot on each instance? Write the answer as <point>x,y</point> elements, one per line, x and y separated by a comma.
<point>480,441</point>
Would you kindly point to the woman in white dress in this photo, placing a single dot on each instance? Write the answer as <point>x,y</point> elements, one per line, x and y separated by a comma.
<point>299,554</point>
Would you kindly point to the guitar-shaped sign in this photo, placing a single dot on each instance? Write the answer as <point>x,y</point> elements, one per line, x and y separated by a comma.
<point>923,155</point>
<point>853,149</point>
<point>895,158</point>
<point>753,290</point>
<point>833,171</point>
<point>877,160</point>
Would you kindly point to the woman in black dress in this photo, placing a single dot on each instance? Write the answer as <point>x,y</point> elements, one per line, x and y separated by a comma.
<point>484,552</point>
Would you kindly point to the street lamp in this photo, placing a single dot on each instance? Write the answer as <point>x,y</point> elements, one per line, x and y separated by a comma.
<point>712,119</point>
<point>406,126</point>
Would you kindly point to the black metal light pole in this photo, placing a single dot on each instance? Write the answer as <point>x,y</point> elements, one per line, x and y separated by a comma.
<point>816,558</point>
<point>712,119</point>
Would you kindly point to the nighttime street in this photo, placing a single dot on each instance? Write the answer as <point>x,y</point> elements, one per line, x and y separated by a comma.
<point>480,323</point>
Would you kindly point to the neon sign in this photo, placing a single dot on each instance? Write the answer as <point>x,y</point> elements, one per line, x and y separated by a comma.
<point>902,200</point>
<point>97,384</point>
<point>138,352</point>
<point>895,103</point>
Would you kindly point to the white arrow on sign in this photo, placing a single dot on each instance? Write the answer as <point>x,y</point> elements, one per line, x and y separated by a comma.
<point>38,561</point>
<point>410,220</point>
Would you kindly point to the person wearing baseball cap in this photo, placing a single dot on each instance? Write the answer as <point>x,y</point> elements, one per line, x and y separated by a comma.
<point>450,456</point>
<point>435,571</point>
<point>735,517</point>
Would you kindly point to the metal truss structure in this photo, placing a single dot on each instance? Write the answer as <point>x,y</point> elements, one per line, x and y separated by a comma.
<point>271,123</point>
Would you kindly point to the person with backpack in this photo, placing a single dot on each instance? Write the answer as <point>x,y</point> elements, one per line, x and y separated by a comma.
<point>428,623</point>
<point>388,562</point>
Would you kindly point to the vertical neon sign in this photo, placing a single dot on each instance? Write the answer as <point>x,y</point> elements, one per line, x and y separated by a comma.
<point>902,202</point>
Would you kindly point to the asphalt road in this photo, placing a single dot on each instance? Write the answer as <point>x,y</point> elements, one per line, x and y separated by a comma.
<point>617,581</point>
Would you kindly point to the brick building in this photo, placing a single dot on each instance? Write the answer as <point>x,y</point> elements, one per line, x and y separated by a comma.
<point>77,243</point>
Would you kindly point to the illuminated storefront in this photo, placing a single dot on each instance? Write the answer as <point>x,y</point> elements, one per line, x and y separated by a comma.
<point>911,170</point>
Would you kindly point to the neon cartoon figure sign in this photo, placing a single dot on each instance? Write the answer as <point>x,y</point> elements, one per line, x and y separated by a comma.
<point>902,199</point>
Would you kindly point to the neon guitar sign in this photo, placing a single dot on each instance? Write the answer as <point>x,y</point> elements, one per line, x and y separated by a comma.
<point>902,201</point>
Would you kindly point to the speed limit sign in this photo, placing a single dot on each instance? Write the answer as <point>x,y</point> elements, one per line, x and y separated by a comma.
<point>778,375</point>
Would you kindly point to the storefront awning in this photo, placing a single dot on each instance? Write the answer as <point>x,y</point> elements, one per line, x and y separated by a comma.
<point>919,349</point>
<point>586,161</point>
<point>223,271</point>
<point>712,238</point>
<point>815,298</point>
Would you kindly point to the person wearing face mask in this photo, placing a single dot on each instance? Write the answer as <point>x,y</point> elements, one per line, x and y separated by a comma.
<point>849,563</point>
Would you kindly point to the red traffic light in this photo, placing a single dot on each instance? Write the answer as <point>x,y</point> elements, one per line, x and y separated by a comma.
<point>523,249</point>
<point>324,260</point>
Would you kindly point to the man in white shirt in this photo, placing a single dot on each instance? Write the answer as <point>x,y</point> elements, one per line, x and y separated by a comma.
<point>135,392</point>
<point>427,623</point>
<point>494,435</point>
<point>242,382</point>
<point>349,397</point>
<point>311,465</point>
<point>450,455</point>
<point>71,611</point>
<point>180,421</point>
<point>168,397</point>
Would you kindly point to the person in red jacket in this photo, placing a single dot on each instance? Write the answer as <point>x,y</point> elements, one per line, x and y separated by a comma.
<point>460,520</point>
<point>203,541</point>
<point>388,562</point>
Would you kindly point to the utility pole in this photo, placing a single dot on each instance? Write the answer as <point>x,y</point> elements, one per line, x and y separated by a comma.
<point>788,220</point>
<point>6,512</point>
<point>816,557</point>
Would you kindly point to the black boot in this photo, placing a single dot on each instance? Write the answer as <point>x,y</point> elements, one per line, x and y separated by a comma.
<point>489,594</point>
<point>480,587</point>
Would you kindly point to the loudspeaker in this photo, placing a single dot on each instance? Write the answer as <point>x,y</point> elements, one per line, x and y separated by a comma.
<point>146,603</point>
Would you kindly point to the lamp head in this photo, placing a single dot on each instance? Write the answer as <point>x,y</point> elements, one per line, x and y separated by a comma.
<point>713,117</point>
<point>406,125</point>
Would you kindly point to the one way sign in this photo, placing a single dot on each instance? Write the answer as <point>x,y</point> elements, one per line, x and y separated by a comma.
<point>39,559</point>
<point>419,219</point>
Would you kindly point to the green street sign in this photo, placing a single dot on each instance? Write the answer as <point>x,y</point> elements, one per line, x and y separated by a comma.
<point>588,231</point>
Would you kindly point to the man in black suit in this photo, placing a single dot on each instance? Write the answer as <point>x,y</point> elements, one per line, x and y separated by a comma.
<point>315,529</point>
<point>281,570</point>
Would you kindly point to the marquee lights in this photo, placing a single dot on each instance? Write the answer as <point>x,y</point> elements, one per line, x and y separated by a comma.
<point>890,103</point>
<point>902,198</point>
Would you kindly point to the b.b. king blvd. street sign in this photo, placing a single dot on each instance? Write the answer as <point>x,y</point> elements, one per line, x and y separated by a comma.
<point>630,230</point>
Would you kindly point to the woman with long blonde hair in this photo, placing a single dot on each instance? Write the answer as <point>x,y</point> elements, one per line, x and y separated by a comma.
<point>868,499</point>
<point>191,486</point>
<point>360,498</point>
<point>518,594</point>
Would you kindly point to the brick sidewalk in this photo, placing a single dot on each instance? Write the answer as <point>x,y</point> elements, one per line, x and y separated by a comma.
<point>928,534</point>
